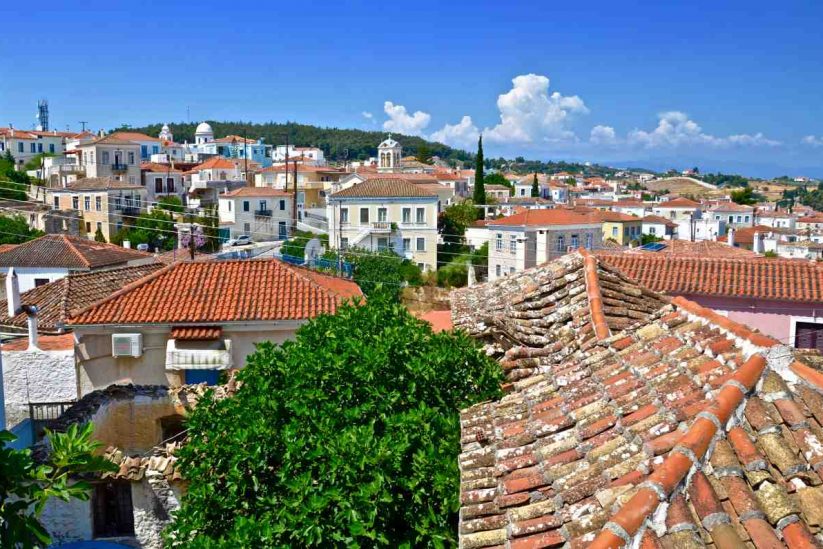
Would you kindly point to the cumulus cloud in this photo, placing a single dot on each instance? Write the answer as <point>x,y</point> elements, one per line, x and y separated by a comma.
<point>603,135</point>
<point>401,121</point>
<point>812,140</point>
<point>529,113</point>
<point>675,128</point>
<point>462,134</point>
<point>367,115</point>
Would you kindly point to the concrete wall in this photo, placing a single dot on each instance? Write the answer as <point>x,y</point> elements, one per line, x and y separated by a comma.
<point>97,369</point>
<point>67,521</point>
<point>27,275</point>
<point>36,376</point>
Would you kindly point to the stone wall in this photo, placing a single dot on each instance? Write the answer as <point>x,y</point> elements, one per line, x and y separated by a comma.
<point>36,376</point>
<point>426,298</point>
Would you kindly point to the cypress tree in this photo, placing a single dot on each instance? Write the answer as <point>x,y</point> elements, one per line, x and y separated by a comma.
<point>479,195</point>
<point>535,187</point>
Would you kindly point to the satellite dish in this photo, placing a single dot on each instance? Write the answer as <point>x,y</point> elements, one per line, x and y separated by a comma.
<point>314,249</point>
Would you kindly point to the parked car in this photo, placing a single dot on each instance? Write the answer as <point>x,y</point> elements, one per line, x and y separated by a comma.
<point>242,240</point>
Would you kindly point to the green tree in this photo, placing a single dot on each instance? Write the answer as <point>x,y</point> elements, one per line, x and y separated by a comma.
<point>26,486</point>
<point>171,204</point>
<point>13,184</point>
<point>746,196</point>
<point>535,187</point>
<point>347,436</point>
<point>155,228</point>
<point>424,154</point>
<point>497,178</point>
<point>381,272</point>
<point>15,229</point>
<point>98,235</point>
<point>479,195</point>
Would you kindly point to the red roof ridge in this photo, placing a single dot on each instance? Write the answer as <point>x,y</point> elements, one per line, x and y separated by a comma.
<point>739,330</point>
<point>76,252</point>
<point>807,374</point>
<point>661,483</point>
<point>595,296</point>
<point>127,288</point>
<point>299,271</point>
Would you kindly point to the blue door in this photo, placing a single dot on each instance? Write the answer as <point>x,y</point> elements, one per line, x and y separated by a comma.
<point>209,377</point>
<point>281,228</point>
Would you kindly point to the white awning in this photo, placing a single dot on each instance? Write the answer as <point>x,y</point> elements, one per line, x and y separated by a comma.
<point>185,355</point>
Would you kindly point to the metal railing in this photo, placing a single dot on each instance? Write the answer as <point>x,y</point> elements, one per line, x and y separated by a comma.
<point>42,414</point>
<point>262,213</point>
<point>118,167</point>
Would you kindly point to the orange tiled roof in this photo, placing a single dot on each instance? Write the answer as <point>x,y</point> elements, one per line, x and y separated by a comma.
<point>216,163</point>
<point>673,430</point>
<point>133,136</point>
<point>255,191</point>
<point>62,342</point>
<point>384,186</point>
<point>156,167</point>
<point>678,203</point>
<point>761,278</point>
<point>70,252</point>
<point>222,291</point>
<point>196,333</point>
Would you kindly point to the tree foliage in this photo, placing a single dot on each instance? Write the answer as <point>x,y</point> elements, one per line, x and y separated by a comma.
<point>26,486</point>
<point>346,436</point>
<point>379,272</point>
<point>535,187</point>
<point>98,235</point>
<point>725,180</point>
<point>13,184</point>
<point>155,228</point>
<point>14,229</point>
<point>745,196</point>
<point>479,196</point>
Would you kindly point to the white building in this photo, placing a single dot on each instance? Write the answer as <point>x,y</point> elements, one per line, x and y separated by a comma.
<point>533,237</point>
<point>735,215</point>
<point>24,145</point>
<point>110,156</point>
<point>678,209</point>
<point>389,155</point>
<point>162,180</point>
<point>306,155</point>
<point>386,214</point>
<point>263,213</point>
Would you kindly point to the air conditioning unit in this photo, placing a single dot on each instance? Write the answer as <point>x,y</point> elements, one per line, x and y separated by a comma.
<point>130,345</point>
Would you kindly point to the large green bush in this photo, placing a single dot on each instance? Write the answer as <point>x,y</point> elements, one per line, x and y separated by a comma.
<point>346,436</point>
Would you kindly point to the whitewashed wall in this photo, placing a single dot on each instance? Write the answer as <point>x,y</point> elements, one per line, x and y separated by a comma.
<point>36,376</point>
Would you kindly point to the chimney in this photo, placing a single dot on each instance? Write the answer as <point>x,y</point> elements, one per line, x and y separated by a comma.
<point>12,292</point>
<point>757,244</point>
<point>472,277</point>
<point>730,236</point>
<point>31,317</point>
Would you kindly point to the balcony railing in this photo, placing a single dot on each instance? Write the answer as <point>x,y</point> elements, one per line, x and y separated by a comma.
<point>118,167</point>
<point>43,413</point>
<point>381,226</point>
<point>262,213</point>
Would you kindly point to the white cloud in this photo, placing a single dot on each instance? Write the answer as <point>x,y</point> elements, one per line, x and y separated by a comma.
<point>813,140</point>
<point>675,128</point>
<point>462,134</point>
<point>401,121</point>
<point>603,135</point>
<point>367,115</point>
<point>528,113</point>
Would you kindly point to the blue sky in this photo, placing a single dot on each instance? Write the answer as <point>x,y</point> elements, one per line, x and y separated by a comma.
<point>732,85</point>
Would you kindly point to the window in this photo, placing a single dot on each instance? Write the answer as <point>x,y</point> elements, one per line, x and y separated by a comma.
<point>739,218</point>
<point>512,244</point>
<point>131,157</point>
<point>575,241</point>
<point>246,205</point>
<point>155,149</point>
<point>40,282</point>
<point>113,514</point>
<point>382,243</point>
<point>169,184</point>
<point>589,239</point>
<point>88,226</point>
<point>172,428</point>
<point>344,215</point>
<point>511,270</point>
<point>421,215</point>
<point>497,270</point>
<point>498,243</point>
<point>264,205</point>
<point>614,232</point>
<point>406,215</point>
<point>144,151</point>
<point>382,214</point>
<point>406,244</point>
<point>75,202</point>
<point>105,157</point>
<point>746,218</point>
<point>20,147</point>
<point>98,203</point>
<point>282,205</point>
<point>561,243</point>
<point>421,266</point>
<point>228,205</point>
<point>158,184</point>
<point>344,243</point>
<point>87,203</point>
<point>57,202</point>
<point>33,148</point>
<point>39,147</point>
<point>421,244</point>
<point>808,335</point>
<point>246,228</point>
<point>51,148</point>
<point>652,230</point>
<point>364,215</point>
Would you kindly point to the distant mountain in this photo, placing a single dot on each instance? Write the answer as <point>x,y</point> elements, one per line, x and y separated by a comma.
<point>337,143</point>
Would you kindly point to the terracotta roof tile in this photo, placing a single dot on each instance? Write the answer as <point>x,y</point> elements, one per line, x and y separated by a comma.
<point>782,279</point>
<point>384,186</point>
<point>196,333</point>
<point>541,217</point>
<point>62,342</point>
<point>70,252</point>
<point>222,291</point>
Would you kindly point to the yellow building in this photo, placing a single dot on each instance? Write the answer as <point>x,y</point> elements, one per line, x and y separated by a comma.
<point>620,227</point>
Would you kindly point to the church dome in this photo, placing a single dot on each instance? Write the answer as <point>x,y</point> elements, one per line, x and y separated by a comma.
<point>388,144</point>
<point>165,128</point>
<point>203,128</point>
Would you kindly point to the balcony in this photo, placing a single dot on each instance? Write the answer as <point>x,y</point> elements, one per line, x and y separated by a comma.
<point>381,227</point>
<point>262,213</point>
<point>119,168</point>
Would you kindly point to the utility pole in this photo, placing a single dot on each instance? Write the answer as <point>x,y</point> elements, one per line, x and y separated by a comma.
<point>246,157</point>
<point>294,198</point>
<point>191,241</point>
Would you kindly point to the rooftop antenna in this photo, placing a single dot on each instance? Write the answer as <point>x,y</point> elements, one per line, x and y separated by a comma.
<point>83,122</point>
<point>43,115</point>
